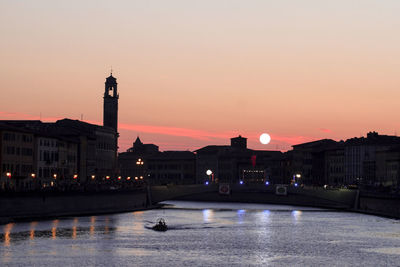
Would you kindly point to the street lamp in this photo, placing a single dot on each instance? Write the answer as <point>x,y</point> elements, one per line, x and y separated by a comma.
<point>210,174</point>
<point>296,179</point>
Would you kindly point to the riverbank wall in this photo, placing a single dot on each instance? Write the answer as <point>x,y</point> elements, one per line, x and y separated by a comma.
<point>336,200</point>
<point>377,204</point>
<point>50,205</point>
<point>344,199</point>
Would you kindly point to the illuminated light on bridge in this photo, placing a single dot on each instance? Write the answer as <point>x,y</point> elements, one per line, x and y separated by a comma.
<point>296,184</point>
<point>33,175</point>
<point>241,182</point>
<point>107,177</point>
<point>8,174</point>
<point>267,183</point>
<point>75,176</point>
<point>119,177</point>
<point>93,176</point>
<point>206,182</point>
<point>128,178</point>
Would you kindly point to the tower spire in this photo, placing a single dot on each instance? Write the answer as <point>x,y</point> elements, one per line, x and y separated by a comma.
<point>110,109</point>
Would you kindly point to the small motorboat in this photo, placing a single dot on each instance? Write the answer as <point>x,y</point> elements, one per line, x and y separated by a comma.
<point>160,225</point>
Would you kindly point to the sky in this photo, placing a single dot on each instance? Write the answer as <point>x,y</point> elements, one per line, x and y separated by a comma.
<point>196,73</point>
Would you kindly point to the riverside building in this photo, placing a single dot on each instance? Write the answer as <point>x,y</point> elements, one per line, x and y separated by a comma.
<point>64,152</point>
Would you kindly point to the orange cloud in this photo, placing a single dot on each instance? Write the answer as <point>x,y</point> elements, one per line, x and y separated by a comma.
<point>176,131</point>
<point>325,130</point>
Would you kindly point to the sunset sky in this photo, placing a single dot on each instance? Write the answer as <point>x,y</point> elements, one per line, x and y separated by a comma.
<point>193,73</point>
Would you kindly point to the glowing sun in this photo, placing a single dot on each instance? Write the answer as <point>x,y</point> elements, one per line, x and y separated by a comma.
<point>265,139</point>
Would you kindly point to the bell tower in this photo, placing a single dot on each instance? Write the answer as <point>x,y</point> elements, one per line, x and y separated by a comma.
<point>110,110</point>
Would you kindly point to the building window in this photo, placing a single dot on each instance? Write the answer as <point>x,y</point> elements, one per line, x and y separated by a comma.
<point>10,150</point>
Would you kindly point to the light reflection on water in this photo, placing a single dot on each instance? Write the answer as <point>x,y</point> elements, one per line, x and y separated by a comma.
<point>204,234</point>
<point>54,229</point>
<point>7,230</point>
<point>207,215</point>
<point>296,215</point>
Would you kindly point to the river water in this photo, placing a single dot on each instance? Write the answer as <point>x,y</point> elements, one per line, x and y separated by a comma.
<point>206,234</point>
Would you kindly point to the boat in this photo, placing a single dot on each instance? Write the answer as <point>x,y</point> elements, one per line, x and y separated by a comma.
<point>160,225</point>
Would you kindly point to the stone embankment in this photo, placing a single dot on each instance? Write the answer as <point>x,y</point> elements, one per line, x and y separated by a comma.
<point>50,205</point>
<point>340,199</point>
<point>379,204</point>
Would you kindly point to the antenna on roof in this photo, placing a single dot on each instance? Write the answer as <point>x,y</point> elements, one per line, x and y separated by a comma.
<point>111,71</point>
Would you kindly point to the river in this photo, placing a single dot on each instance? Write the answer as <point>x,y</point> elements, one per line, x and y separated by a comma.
<point>206,234</point>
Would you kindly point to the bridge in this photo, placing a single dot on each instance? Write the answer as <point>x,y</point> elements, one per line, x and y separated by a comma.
<point>42,205</point>
<point>316,197</point>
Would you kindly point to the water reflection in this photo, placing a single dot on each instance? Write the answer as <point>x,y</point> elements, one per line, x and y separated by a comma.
<point>296,214</point>
<point>54,229</point>
<point>7,232</point>
<point>137,223</point>
<point>32,231</point>
<point>106,229</point>
<point>208,215</point>
<point>265,215</point>
<point>92,224</point>
<point>205,236</point>
<point>240,214</point>
<point>74,228</point>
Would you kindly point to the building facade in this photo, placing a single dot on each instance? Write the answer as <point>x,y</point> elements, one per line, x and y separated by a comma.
<point>238,164</point>
<point>17,161</point>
